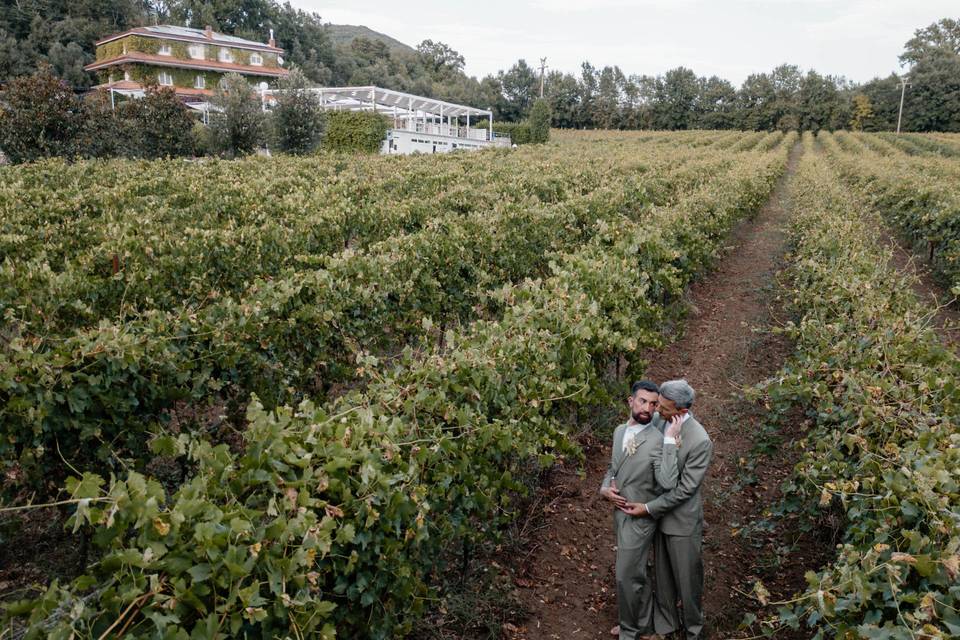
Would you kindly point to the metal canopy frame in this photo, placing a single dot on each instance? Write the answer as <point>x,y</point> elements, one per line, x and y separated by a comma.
<point>394,102</point>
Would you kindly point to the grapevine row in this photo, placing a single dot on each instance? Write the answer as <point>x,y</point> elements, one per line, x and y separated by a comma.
<point>99,392</point>
<point>917,196</point>
<point>332,518</point>
<point>884,397</point>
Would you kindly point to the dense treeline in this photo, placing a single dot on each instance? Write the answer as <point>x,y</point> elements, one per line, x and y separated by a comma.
<point>785,98</point>
<point>61,34</point>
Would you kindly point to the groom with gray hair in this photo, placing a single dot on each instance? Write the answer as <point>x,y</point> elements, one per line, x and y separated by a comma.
<point>687,451</point>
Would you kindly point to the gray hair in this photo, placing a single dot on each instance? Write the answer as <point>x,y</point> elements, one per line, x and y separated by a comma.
<point>679,391</point>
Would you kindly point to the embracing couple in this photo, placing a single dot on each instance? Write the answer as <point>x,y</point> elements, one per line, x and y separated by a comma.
<point>660,457</point>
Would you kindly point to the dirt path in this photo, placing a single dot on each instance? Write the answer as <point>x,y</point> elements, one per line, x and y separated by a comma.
<point>567,582</point>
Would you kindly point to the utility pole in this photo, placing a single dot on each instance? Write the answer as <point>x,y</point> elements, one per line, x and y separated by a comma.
<point>903,90</point>
<point>543,67</point>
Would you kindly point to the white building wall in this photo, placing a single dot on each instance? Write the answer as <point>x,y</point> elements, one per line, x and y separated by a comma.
<point>401,141</point>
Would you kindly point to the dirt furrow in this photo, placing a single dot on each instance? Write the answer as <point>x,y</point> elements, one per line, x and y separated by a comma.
<point>567,581</point>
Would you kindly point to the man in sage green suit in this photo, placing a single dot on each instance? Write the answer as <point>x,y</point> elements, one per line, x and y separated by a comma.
<point>679,513</point>
<point>630,482</point>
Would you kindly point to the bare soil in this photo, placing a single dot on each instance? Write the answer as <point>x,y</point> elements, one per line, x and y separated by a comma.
<point>567,582</point>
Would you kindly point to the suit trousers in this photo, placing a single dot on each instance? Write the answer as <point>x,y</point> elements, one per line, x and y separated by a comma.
<point>635,537</point>
<point>679,569</point>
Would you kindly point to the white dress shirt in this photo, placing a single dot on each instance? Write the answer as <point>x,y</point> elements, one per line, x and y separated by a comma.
<point>632,431</point>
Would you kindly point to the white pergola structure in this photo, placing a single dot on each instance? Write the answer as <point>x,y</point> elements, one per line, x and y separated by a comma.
<point>419,124</point>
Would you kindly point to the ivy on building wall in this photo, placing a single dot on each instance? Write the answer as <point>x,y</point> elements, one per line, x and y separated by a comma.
<point>146,74</point>
<point>179,50</point>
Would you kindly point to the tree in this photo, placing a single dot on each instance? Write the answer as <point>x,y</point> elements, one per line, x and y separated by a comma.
<point>297,119</point>
<point>884,97</point>
<point>933,101</point>
<point>675,97</point>
<point>588,94</point>
<point>161,123</point>
<point>862,112</point>
<point>539,121</point>
<point>715,104</point>
<point>237,125</point>
<point>756,103</point>
<point>105,132</point>
<point>561,92</point>
<point>305,42</point>
<point>438,57</point>
<point>786,80</point>
<point>818,102</point>
<point>940,38</point>
<point>607,104</point>
<point>519,85</point>
<point>40,117</point>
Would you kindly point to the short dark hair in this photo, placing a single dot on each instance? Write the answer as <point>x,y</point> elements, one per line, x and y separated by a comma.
<point>646,385</point>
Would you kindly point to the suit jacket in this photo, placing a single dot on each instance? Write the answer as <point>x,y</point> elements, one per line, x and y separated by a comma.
<point>682,469</point>
<point>636,480</point>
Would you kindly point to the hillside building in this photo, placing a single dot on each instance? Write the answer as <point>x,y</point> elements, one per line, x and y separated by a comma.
<point>192,61</point>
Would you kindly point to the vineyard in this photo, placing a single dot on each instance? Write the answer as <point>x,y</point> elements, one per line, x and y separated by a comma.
<point>279,397</point>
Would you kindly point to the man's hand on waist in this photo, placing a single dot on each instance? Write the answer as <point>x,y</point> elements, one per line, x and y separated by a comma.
<point>612,494</point>
<point>635,509</point>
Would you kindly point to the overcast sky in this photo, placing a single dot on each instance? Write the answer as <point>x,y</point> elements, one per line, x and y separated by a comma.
<point>858,39</point>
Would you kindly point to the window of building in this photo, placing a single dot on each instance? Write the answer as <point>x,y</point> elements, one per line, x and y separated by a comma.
<point>196,51</point>
<point>165,49</point>
<point>256,59</point>
<point>225,55</point>
<point>165,79</point>
<point>199,82</point>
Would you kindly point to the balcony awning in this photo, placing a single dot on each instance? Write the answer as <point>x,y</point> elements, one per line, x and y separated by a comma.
<point>366,98</point>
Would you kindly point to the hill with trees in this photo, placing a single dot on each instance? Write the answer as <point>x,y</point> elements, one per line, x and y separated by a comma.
<point>62,33</point>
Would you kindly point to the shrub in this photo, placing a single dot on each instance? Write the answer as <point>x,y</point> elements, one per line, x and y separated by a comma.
<point>41,118</point>
<point>237,128</point>
<point>297,120</point>
<point>355,131</point>
<point>202,139</point>
<point>162,124</point>
<point>519,132</point>
<point>539,122</point>
<point>104,131</point>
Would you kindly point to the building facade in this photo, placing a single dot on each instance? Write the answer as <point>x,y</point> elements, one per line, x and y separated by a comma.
<point>191,61</point>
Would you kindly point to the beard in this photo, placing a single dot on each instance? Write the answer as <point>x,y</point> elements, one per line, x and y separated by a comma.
<point>642,418</point>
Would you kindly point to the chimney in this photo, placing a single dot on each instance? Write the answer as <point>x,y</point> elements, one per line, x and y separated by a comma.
<point>272,42</point>
<point>208,31</point>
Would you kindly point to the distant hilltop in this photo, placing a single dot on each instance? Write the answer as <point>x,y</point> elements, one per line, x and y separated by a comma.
<point>344,34</point>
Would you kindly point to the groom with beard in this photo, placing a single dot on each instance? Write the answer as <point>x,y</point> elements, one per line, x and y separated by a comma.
<point>630,483</point>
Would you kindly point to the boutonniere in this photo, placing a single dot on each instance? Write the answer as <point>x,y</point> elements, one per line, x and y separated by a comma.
<point>632,445</point>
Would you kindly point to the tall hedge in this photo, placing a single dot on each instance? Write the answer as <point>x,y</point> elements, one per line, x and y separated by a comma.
<point>539,121</point>
<point>355,131</point>
<point>519,132</point>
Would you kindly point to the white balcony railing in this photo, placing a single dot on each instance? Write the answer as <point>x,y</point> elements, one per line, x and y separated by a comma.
<point>453,131</point>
